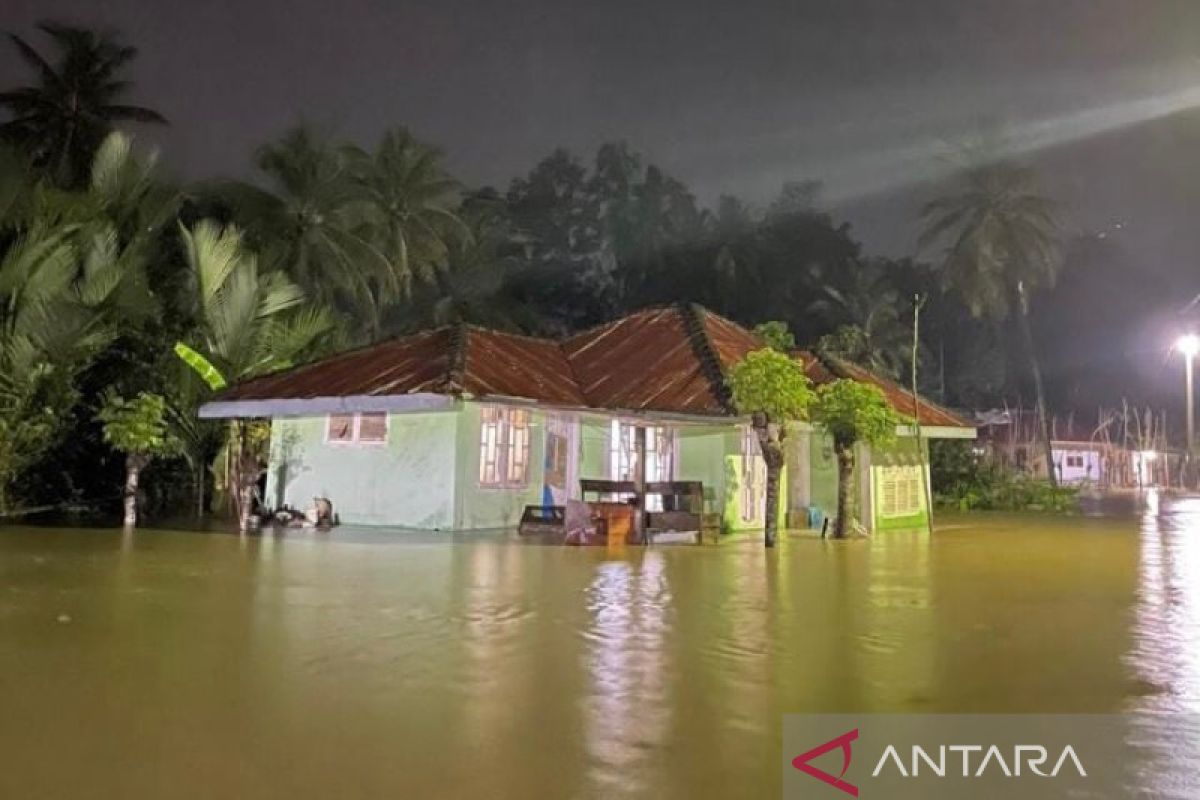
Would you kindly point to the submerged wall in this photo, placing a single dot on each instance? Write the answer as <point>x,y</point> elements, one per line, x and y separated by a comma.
<point>426,475</point>
<point>406,481</point>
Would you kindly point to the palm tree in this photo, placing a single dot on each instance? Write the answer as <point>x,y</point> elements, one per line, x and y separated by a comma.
<point>313,223</point>
<point>1002,242</point>
<point>248,323</point>
<point>865,307</point>
<point>62,118</point>
<point>72,276</point>
<point>412,206</point>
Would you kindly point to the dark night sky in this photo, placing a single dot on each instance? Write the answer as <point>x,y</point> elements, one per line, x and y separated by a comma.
<point>734,97</point>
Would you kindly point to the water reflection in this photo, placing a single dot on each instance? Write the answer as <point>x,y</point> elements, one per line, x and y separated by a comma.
<point>1166,653</point>
<point>373,665</point>
<point>626,708</point>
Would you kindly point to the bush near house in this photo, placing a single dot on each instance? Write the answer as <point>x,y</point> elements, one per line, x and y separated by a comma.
<point>966,481</point>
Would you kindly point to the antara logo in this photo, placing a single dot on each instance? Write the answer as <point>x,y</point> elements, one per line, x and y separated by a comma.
<point>800,762</point>
<point>976,761</point>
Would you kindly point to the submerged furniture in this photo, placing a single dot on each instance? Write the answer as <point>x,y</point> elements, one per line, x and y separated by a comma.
<point>681,518</point>
<point>542,520</point>
<point>582,526</point>
<point>614,503</point>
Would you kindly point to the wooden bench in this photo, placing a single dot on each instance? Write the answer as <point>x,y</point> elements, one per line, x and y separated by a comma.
<point>682,515</point>
<point>542,520</point>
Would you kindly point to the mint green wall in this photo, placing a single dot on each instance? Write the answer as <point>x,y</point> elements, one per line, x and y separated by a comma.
<point>409,481</point>
<point>823,475</point>
<point>478,507</point>
<point>427,474</point>
<point>701,457</point>
<point>593,448</point>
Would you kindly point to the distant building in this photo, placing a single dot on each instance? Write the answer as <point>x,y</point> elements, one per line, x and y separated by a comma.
<point>1124,449</point>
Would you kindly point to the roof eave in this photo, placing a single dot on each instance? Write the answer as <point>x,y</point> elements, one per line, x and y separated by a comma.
<point>310,406</point>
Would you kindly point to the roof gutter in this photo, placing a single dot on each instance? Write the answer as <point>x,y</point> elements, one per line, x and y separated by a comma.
<point>308,406</point>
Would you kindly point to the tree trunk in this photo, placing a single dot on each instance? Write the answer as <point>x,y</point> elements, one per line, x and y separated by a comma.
<point>845,459</point>
<point>245,505</point>
<point>133,469</point>
<point>242,474</point>
<point>771,518</point>
<point>1039,392</point>
<point>772,455</point>
<point>200,491</point>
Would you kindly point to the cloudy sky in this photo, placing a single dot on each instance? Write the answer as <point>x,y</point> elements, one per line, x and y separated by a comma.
<point>865,95</point>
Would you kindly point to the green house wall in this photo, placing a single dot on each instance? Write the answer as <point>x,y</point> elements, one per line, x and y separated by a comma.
<point>427,473</point>
<point>823,473</point>
<point>407,481</point>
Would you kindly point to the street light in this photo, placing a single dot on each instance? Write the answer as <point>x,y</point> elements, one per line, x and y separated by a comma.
<point>1189,345</point>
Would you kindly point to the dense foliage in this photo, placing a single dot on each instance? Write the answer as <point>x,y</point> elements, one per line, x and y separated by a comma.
<point>967,481</point>
<point>853,412</point>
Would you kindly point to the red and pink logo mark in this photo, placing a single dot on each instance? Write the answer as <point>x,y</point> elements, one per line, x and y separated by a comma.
<point>801,762</point>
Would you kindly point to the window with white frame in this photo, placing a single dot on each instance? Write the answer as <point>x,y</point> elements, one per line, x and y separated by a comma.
<point>504,447</point>
<point>364,428</point>
<point>900,491</point>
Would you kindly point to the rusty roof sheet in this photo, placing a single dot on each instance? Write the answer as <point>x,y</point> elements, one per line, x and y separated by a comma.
<point>729,341</point>
<point>647,360</point>
<point>417,363</point>
<point>507,365</point>
<point>824,370</point>
<point>670,359</point>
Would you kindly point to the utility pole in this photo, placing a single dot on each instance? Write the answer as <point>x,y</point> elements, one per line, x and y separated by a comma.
<point>1189,345</point>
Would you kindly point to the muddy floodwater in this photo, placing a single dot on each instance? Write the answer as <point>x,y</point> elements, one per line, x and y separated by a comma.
<point>368,665</point>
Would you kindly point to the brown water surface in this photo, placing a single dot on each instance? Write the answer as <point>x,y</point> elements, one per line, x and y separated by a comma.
<point>364,665</point>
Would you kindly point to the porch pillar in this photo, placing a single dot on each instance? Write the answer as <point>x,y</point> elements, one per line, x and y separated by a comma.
<point>799,471</point>
<point>639,480</point>
<point>866,488</point>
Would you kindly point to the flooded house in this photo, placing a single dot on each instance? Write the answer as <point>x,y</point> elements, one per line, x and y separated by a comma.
<point>462,428</point>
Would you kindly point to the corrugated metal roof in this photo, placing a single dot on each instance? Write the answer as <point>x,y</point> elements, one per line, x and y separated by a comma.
<point>670,360</point>
<point>644,361</point>
<point>825,370</point>
<point>417,363</point>
<point>507,365</point>
<point>730,341</point>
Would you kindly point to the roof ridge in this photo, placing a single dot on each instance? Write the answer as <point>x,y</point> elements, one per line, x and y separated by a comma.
<point>691,314</point>
<point>499,332</point>
<point>456,361</point>
<point>601,325</point>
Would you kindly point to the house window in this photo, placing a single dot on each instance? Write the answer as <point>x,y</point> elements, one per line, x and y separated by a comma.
<point>900,491</point>
<point>504,447</point>
<point>1075,461</point>
<point>366,428</point>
